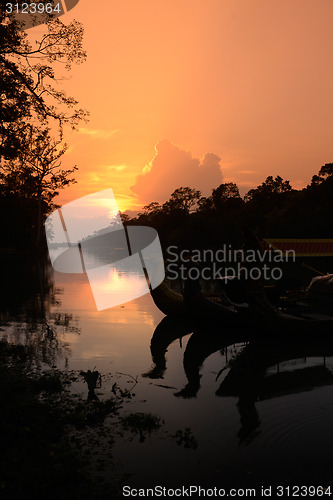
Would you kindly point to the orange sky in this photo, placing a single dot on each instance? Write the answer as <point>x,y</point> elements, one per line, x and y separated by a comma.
<point>249,81</point>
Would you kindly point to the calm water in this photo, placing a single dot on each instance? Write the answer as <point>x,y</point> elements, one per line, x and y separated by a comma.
<point>241,440</point>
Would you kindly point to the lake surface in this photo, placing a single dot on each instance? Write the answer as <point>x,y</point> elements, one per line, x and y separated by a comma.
<point>239,437</point>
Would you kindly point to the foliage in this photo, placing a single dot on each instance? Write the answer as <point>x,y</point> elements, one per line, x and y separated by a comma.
<point>33,112</point>
<point>185,438</point>
<point>272,209</point>
<point>269,190</point>
<point>38,460</point>
<point>325,173</point>
<point>29,92</point>
<point>35,172</point>
<point>124,217</point>
<point>183,198</point>
<point>224,197</point>
<point>152,209</point>
<point>140,423</point>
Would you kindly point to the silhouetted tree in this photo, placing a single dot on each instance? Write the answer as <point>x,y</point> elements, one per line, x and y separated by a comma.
<point>273,209</point>
<point>36,173</point>
<point>205,204</point>
<point>269,190</point>
<point>125,218</point>
<point>31,106</point>
<point>325,173</point>
<point>183,198</point>
<point>28,85</point>
<point>225,191</point>
<point>226,196</point>
<point>152,209</point>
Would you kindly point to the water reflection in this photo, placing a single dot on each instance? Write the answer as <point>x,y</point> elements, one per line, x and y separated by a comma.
<point>169,329</point>
<point>248,378</point>
<point>199,347</point>
<point>93,380</point>
<point>27,318</point>
<point>230,390</point>
<point>26,287</point>
<point>247,375</point>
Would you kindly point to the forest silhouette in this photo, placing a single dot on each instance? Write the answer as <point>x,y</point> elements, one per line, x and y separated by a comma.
<point>273,210</point>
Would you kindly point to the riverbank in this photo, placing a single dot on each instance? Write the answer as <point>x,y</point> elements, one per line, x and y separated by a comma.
<point>40,458</point>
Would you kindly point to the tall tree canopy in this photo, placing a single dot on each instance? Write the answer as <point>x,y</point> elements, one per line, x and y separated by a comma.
<point>270,190</point>
<point>183,198</point>
<point>33,113</point>
<point>29,92</point>
<point>324,174</point>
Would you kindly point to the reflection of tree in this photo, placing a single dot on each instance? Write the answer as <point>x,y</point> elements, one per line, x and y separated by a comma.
<point>247,377</point>
<point>168,330</point>
<point>27,296</point>
<point>41,341</point>
<point>245,373</point>
<point>24,279</point>
<point>201,345</point>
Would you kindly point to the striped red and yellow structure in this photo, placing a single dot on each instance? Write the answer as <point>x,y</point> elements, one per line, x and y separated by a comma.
<point>301,247</point>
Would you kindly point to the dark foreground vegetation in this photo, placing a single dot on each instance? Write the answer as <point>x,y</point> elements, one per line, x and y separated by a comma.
<point>56,444</point>
<point>38,417</point>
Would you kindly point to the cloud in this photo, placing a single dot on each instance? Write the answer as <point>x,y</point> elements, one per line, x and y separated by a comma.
<point>111,168</point>
<point>105,175</point>
<point>98,134</point>
<point>172,168</point>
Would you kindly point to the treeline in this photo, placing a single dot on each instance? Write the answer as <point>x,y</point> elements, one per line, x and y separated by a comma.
<point>34,113</point>
<point>273,209</point>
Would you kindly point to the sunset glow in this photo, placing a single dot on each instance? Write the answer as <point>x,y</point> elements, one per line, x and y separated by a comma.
<point>248,82</point>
